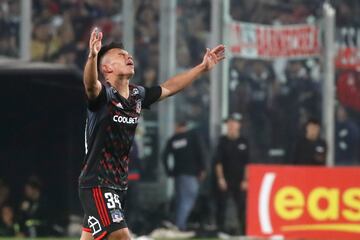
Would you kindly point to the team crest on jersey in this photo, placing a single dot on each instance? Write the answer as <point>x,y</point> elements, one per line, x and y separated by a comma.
<point>138,107</point>
<point>116,215</point>
<point>135,91</point>
<point>94,224</point>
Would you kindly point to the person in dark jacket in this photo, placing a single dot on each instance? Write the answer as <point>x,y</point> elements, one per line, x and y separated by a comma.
<point>189,169</point>
<point>310,149</point>
<point>231,159</point>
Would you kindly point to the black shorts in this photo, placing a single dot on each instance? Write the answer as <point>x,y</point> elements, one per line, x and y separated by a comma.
<point>104,212</point>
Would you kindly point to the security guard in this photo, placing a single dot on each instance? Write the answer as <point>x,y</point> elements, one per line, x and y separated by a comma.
<point>231,158</point>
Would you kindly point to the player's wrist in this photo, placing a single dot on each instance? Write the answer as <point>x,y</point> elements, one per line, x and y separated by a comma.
<point>202,67</point>
<point>92,55</point>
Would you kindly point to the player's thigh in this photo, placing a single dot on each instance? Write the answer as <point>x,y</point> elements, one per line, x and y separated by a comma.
<point>86,236</point>
<point>121,234</point>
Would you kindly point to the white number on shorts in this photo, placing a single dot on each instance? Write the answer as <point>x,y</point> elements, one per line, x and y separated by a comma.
<point>112,200</point>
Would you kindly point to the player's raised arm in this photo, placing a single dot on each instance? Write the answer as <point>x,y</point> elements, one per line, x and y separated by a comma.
<point>182,80</point>
<point>91,82</point>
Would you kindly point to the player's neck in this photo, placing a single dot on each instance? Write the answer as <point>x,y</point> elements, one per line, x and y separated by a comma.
<point>122,86</point>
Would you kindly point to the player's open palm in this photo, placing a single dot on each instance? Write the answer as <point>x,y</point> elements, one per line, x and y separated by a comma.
<point>95,42</point>
<point>213,56</point>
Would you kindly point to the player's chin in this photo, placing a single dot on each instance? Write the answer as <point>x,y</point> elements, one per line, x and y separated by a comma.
<point>130,72</point>
<point>132,69</point>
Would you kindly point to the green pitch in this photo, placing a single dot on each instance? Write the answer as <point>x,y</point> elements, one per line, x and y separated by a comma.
<point>79,238</point>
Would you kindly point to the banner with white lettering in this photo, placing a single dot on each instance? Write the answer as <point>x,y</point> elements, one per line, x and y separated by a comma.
<point>256,41</point>
<point>348,48</point>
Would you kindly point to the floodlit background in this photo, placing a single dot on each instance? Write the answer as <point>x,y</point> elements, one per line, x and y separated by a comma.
<point>43,49</point>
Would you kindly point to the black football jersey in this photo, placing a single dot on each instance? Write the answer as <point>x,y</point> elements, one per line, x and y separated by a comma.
<point>109,133</point>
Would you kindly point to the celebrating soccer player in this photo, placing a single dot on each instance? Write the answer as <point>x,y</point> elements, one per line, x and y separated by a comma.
<point>114,107</point>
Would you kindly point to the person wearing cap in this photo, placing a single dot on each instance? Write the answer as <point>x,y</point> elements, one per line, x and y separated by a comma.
<point>187,148</point>
<point>113,110</point>
<point>231,158</point>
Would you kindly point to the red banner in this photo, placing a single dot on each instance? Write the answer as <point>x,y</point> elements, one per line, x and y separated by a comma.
<point>348,50</point>
<point>304,202</point>
<point>348,58</point>
<point>268,42</point>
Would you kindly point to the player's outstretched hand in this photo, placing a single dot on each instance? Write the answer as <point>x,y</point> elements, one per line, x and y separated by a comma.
<point>95,42</point>
<point>213,56</point>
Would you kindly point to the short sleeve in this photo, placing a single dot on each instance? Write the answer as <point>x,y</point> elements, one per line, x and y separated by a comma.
<point>95,104</point>
<point>151,95</point>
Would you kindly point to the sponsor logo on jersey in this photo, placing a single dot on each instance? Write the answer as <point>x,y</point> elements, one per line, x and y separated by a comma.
<point>122,119</point>
<point>94,224</point>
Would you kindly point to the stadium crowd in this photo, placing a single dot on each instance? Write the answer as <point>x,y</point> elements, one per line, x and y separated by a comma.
<point>276,98</point>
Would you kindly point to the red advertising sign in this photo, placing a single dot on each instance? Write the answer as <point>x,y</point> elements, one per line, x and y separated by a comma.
<point>348,50</point>
<point>268,42</point>
<point>304,202</point>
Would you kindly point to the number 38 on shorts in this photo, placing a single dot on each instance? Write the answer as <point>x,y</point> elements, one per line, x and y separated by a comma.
<point>103,209</point>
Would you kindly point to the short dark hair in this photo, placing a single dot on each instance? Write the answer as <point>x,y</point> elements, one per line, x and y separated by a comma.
<point>104,49</point>
<point>313,120</point>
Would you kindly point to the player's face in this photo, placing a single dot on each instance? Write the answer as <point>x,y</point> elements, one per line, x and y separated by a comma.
<point>121,62</point>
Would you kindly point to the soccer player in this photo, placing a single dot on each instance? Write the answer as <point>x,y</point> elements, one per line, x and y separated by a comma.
<point>114,107</point>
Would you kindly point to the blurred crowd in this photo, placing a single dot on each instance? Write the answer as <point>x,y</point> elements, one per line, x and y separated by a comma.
<point>27,216</point>
<point>274,96</point>
<point>278,97</point>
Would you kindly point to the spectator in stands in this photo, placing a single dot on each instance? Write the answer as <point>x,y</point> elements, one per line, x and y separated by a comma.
<point>8,225</point>
<point>4,193</point>
<point>45,43</point>
<point>9,22</point>
<point>346,138</point>
<point>33,212</point>
<point>231,159</point>
<point>310,149</point>
<point>189,169</point>
<point>260,93</point>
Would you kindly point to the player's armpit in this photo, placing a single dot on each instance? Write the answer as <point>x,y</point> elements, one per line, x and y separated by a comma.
<point>92,91</point>
<point>94,104</point>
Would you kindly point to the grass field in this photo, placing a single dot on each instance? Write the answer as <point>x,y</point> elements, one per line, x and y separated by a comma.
<point>78,239</point>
